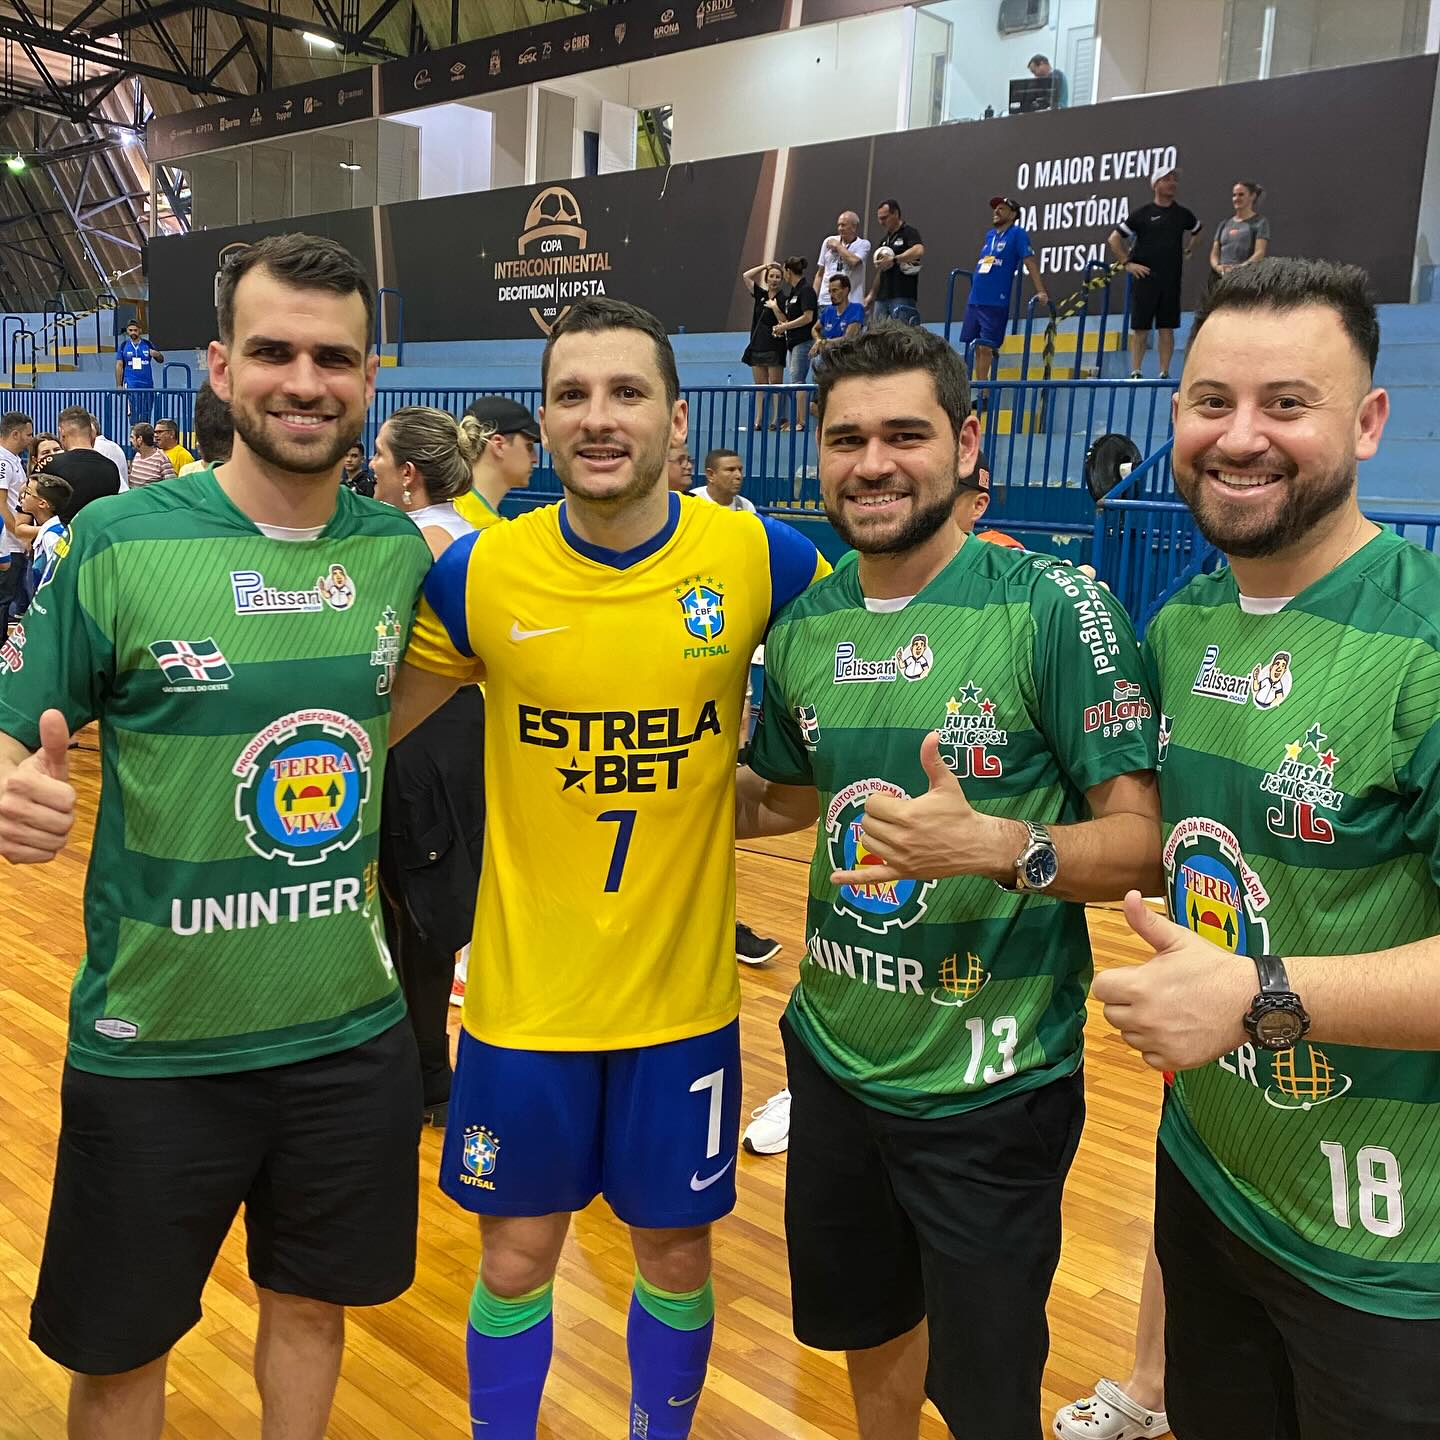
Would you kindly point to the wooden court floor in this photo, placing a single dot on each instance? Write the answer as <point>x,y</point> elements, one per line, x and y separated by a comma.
<point>404,1374</point>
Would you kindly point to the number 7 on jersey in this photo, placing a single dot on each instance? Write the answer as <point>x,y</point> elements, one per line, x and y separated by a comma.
<point>625,820</point>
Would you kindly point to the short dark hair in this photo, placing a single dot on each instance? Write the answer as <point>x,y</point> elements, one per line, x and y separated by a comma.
<point>797,264</point>
<point>892,205</point>
<point>841,276</point>
<point>889,348</point>
<point>13,420</point>
<point>598,313</point>
<point>145,431</point>
<point>1037,59</point>
<point>715,456</point>
<point>306,262</point>
<point>166,423</point>
<point>1286,283</point>
<point>214,428</point>
<point>54,490</point>
<point>74,417</point>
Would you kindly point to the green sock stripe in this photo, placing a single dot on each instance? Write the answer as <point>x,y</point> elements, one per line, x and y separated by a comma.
<point>690,1311</point>
<point>497,1316</point>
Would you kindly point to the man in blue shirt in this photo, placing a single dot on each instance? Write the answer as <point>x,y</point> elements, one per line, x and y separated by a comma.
<point>1006,248</point>
<point>840,319</point>
<point>134,374</point>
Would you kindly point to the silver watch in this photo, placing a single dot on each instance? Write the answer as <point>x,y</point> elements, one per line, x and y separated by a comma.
<point>1037,865</point>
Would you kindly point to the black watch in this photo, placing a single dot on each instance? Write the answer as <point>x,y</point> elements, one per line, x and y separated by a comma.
<point>1276,1019</point>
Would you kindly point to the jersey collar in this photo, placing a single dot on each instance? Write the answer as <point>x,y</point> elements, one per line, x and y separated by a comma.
<point>622,559</point>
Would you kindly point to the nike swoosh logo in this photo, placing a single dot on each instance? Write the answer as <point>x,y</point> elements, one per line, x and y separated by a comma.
<point>678,1403</point>
<point>696,1183</point>
<point>517,634</point>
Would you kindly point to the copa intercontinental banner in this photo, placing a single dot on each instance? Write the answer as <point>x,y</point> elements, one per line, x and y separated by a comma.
<point>505,264</point>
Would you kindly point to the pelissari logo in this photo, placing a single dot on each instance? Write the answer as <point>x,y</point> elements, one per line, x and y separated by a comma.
<point>555,263</point>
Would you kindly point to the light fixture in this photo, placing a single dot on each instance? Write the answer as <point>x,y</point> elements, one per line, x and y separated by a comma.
<point>350,163</point>
<point>15,164</point>
<point>320,42</point>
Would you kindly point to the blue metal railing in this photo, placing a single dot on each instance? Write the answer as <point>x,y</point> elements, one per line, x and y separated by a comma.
<point>18,321</point>
<point>176,365</point>
<point>16,337</point>
<point>399,322</point>
<point>950,300</point>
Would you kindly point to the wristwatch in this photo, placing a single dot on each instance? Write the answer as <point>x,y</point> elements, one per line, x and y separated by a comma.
<point>1276,1019</point>
<point>1037,865</point>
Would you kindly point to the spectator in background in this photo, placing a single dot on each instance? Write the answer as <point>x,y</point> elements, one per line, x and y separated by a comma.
<point>355,474</point>
<point>1245,236</point>
<point>974,500</point>
<point>679,470</point>
<point>133,372</point>
<point>16,434</point>
<point>45,500</point>
<point>1154,242</point>
<point>1006,247</point>
<point>167,437</point>
<point>841,319</point>
<point>42,447</point>
<point>724,479</point>
<point>898,257</point>
<point>91,474</point>
<point>111,451</point>
<point>1041,68</point>
<point>765,354</point>
<point>150,464</point>
<point>802,310</point>
<point>843,253</point>
<point>214,431</point>
<point>512,435</point>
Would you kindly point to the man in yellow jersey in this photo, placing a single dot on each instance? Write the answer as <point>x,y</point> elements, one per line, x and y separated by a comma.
<point>509,457</point>
<point>600,1050</point>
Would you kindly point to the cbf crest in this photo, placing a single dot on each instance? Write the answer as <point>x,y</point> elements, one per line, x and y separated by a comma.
<point>303,784</point>
<point>480,1154</point>
<point>702,602</point>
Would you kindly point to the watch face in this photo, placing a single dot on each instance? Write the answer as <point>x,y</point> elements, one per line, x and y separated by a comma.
<point>1277,1029</point>
<point>1040,868</point>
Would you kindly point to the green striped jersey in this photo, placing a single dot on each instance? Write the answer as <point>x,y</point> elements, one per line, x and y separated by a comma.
<point>242,686</point>
<point>1300,784</point>
<point>928,998</point>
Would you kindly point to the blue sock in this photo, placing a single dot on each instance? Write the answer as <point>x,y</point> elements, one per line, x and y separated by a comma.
<point>669,1343</point>
<point>507,1348</point>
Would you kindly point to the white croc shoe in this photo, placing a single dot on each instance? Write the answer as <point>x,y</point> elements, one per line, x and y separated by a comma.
<point>1109,1414</point>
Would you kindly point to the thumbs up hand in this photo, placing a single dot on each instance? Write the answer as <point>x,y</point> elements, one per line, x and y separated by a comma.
<point>933,835</point>
<point>1185,1006</point>
<point>37,800</point>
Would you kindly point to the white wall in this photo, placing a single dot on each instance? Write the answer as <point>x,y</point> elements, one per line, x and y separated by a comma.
<point>1150,46</point>
<point>511,111</point>
<point>455,149</point>
<point>984,62</point>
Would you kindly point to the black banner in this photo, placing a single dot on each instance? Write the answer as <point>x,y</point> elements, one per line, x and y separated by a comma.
<point>513,260</point>
<point>614,35</point>
<point>1078,172</point>
<point>185,270</point>
<point>326,100</point>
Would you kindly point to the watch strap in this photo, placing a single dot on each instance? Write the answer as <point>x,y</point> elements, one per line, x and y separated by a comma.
<point>1273,979</point>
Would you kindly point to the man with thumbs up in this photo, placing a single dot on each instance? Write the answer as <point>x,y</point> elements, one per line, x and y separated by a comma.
<point>969,724</point>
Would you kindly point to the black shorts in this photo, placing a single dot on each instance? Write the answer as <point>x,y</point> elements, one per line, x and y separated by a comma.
<point>323,1155</point>
<point>1155,301</point>
<point>891,1220</point>
<point>1252,1353</point>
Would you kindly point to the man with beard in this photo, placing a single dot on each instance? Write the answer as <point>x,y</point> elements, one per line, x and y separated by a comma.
<point>953,712</point>
<point>600,1048</point>
<point>1297,1206</point>
<point>237,1038</point>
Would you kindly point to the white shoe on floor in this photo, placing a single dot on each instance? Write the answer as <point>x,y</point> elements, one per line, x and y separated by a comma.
<point>1108,1414</point>
<point>768,1132</point>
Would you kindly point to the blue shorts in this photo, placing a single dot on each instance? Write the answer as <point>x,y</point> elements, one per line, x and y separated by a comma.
<point>655,1130</point>
<point>985,323</point>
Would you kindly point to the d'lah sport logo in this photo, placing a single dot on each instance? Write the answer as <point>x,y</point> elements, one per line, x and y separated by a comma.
<point>304,780</point>
<point>887,903</point>
<point>554,262</point>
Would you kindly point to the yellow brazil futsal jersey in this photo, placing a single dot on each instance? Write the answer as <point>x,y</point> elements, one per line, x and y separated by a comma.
<point>475,508</point>
<point>614,684</point>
